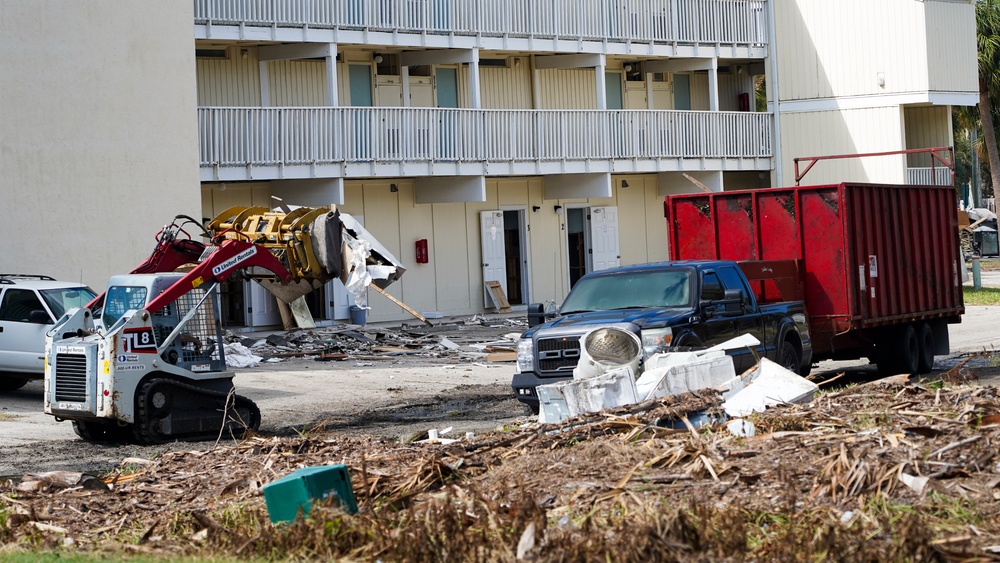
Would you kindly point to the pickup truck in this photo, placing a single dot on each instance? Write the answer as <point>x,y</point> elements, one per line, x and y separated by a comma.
<point>668,305</point>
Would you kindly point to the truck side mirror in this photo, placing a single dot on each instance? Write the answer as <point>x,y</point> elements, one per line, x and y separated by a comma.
<point>39,317</point>
<point>536,314</point>
<point>732,301</point>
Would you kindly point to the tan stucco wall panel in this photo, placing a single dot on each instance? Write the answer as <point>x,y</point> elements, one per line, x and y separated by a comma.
<point>100,147</point>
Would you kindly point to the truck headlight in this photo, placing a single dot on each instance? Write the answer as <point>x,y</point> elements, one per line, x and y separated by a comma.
<point>525,355</point>
<point>656,340</point>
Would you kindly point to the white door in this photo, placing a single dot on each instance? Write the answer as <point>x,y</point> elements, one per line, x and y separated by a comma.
<point>604,238</point>
<point>342,300</point>
<point>262,307</point>
<point>494,253</point>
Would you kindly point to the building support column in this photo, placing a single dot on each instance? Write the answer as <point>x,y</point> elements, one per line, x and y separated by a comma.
<point>475,96</point>
<point>404,77</point>
<point>332,91</point>
<point>713,86</point>
<point>602,84</point>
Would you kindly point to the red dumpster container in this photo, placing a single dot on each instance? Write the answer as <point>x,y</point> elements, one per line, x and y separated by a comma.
<point>876,258</point>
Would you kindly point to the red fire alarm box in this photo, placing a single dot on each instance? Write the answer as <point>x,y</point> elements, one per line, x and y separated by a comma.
<point>422,256</point>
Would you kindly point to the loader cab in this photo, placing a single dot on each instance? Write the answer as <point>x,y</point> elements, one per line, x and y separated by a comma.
<point>197,346</point>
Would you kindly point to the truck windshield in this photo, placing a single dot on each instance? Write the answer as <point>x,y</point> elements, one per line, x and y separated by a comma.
<point>119,300</point>
<point>67,298</point>
<point>654,288</point>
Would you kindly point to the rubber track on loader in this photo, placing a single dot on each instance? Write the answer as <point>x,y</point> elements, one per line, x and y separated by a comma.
<point>238,413</point>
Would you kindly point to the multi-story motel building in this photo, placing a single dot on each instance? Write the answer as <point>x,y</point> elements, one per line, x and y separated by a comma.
<point>523,142</point>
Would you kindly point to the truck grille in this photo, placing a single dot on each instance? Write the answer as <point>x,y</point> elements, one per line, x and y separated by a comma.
<point>556,356</point>
<point>71,378</point>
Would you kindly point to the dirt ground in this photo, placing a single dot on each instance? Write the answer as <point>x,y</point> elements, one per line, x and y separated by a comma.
<point>887,470</point>
<point>380,390</point>
<point>890,470</point>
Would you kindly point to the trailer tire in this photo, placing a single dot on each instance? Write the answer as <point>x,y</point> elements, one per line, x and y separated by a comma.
<point>900,351</point>
<point>925,339</point>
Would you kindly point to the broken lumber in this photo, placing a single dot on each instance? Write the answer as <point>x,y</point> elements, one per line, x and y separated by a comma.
<point>401,304</point>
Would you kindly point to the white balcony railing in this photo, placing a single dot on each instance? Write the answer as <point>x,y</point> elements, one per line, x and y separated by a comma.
<point>926,176</point>
<point>297,136</point>
<point>739,22</point>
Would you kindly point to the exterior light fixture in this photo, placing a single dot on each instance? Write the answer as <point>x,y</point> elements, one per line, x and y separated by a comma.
<point>624,183</point>
<point>558,209</point>
<point>628,68</point>
<point>535,208</point>
<point>393,188</point>
<point>378,59</point>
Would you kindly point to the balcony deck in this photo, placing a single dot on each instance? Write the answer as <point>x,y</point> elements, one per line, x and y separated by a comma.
<point>734,28</point>
<point>272,143</point>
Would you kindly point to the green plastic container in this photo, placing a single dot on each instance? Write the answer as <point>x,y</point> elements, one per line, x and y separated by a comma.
<point>299,489</point>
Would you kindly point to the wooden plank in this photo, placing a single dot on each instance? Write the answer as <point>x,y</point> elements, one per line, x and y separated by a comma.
<point>691,179</point>
<point>501,357</point>
<point>498,296</point>
<point>400,303</point>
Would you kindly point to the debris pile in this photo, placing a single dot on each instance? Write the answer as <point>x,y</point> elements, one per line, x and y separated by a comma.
<point>887,470</point>
<point>472,339</point>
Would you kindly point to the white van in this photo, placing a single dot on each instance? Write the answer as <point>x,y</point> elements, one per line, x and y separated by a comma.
<point>29,306</point>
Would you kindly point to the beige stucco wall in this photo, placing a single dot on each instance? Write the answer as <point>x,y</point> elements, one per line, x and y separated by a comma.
<point>99,145</point>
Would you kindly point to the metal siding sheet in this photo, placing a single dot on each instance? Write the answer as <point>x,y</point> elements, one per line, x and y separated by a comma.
<point>297,83</point>
<point>691,229</point>
<point>506,88</point>
<point>738,239</point>
<point>951,46</point>
<point>232,82</point>
<point>699,92</point>
<point>776,214</point>
<point>573,88</point>
<point>929,46</point>
<point>846,132</point>
<point>827,274</point>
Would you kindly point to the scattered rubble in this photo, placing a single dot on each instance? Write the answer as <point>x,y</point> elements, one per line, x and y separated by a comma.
<point>888,470</point>
<point>472,339</point>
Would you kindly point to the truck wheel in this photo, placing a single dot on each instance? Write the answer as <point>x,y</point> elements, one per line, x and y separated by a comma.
<point>790,358</point>
<point>925,339</point>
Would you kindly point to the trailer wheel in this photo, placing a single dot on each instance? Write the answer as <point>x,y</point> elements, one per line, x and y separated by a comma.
<point>790,358</point>
<point>925,338</point>
<point>901,353</point>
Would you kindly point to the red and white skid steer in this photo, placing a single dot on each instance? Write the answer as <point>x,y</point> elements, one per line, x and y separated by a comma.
<point>145,361</point>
